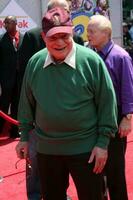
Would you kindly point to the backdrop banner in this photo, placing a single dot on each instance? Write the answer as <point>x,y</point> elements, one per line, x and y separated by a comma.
<point>24,21</point>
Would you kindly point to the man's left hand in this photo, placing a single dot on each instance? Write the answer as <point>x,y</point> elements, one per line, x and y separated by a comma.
<point>100,155</point>
<point>125,127</point>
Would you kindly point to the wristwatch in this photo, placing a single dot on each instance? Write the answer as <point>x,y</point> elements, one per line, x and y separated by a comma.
<point>128,116</point>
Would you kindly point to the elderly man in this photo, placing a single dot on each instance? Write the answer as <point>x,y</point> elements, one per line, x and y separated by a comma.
<point>32,43</point>
<point>63,98</point>
<point>119,65</point>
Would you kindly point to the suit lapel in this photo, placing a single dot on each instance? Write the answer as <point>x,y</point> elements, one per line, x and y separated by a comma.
<point>9,41</point>
<point>20,40</point>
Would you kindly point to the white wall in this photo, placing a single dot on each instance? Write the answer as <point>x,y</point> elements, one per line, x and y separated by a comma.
<point>43,5</point>
<point>31,7</point>
<point>116,19</point>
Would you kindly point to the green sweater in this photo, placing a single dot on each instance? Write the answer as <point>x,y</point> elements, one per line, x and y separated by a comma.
<point>72,110</point>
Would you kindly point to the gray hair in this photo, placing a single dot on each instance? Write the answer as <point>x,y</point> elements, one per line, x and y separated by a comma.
<point>62,3</point>
<point>102,22</point>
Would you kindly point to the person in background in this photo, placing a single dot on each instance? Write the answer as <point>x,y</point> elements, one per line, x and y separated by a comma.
<point>63,99</point>
<point>32,43</point>
<point>131,30</point>
<point>120,68</point>
<point>0,90</point>
<point>127,40</point>
<point>10,43</point>
<point>102,8</point>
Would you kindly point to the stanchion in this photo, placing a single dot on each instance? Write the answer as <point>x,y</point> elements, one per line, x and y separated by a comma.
<point>11,120</point>
<point>8,118</point>
<point>1,179</point>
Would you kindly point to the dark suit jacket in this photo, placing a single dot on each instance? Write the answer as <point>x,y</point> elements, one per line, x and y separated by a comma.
<point>78,39</point>
<point>32,43</point>
<point>9,63</point>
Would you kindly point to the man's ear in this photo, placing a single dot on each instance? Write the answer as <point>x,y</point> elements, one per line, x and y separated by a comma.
<point>43,36</point>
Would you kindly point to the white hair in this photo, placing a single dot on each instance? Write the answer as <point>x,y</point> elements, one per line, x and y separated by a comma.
<point>62,3</point>
<point>102,22</point>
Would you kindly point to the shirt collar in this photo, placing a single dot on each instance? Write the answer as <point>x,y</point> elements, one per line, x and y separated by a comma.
<point>107,47</point>
<point>16,36</point>
<point>70,59</point>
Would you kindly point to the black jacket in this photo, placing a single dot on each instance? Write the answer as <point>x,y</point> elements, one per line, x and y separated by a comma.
<point>9,61</point>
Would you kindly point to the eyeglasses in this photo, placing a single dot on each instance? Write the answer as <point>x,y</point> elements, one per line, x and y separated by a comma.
<point>28,162</point>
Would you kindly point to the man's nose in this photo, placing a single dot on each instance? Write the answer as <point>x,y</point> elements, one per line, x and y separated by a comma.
<point>60,41</point>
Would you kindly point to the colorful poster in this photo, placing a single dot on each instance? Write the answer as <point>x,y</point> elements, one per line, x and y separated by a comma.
<point>24,21</point>
<point>81,11</point>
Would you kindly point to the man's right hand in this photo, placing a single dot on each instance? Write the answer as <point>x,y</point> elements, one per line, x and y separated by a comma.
<point>22,150</point>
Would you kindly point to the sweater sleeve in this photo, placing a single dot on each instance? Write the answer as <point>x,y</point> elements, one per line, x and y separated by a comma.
<point>106,105</point>
<point>126,73</point>
<point>26,108</point>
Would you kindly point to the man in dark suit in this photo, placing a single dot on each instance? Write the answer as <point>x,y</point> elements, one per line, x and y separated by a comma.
<point>32,43</point>
<point>10,43</point>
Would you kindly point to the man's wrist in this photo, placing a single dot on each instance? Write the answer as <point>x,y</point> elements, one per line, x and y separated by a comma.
<point>128,116</point>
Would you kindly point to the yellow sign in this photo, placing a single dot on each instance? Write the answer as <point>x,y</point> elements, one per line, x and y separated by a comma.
<point>80,21</point>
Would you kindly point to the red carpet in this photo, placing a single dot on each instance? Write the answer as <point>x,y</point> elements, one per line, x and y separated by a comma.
<point>13,185</point>
<point>129,166</point>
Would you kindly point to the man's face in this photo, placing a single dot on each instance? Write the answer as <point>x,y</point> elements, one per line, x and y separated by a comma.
<point>10,25</point>
<point>96,36</point>
<point>102,3</point>
<point>59,45</point>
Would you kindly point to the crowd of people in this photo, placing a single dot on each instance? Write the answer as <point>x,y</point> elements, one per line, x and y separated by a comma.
<point>75,107</point>
<point>128,36</point>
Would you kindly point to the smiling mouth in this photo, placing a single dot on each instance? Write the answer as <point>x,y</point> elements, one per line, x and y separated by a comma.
<point>60,49</point>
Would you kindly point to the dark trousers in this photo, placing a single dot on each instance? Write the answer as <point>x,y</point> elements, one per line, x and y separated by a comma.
<point>115,169</point>
<point>33,187</point>
<point>32,176</point>
<point>9,97</point>
<point>4,104</point>
<point>54,173</point>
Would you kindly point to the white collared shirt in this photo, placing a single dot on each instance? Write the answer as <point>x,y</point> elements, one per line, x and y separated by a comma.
<point>70,59</point>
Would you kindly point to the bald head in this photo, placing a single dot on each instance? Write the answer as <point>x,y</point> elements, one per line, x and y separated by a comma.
<point>99,31</point>
<point>10,18</point>
<point>53,3</point>
<point>10,24</point>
